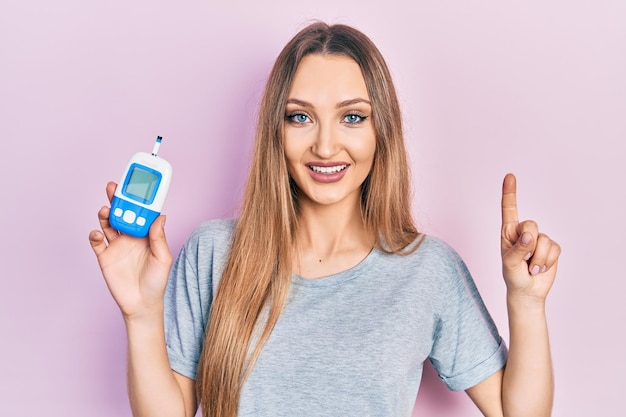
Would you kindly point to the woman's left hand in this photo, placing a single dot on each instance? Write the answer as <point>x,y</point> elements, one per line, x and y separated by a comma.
<point>529,258</point>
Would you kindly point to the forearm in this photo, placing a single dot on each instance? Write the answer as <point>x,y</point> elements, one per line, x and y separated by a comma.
<point>152,388</point>
<point>528,384</point>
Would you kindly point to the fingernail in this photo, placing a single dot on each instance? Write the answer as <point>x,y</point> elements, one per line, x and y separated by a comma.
<point>535,270</point>
<point>544,269</point>
<point>525,239</point>
<point>528,255</point>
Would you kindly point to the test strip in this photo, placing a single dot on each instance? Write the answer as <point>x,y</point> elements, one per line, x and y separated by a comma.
<point>157,143</point>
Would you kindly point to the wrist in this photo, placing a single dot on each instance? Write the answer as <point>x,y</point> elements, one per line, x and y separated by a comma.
<point>147,316</point>
<point>525,304</point>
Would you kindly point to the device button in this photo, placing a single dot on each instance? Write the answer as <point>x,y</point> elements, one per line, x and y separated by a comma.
<point>118,212</point>
<point>141,221</point>
<point>129,216</point>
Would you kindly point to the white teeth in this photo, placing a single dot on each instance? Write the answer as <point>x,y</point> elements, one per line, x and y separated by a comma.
<point>328,170</point>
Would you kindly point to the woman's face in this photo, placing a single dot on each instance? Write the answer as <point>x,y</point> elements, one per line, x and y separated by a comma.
<point>329,138</point>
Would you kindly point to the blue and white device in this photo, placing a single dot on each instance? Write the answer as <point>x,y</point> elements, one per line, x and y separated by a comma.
<point>140,194</point>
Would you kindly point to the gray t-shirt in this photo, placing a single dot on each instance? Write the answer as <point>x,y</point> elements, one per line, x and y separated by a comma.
<point>349,344</point>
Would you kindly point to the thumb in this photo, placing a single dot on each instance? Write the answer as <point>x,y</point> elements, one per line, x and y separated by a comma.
<point>158,243</point>
<point>520,252</point>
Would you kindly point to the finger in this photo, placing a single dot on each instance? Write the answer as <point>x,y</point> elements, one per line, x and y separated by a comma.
<point>509,201</point>
<point>553,256</point>
<point>539,260</point>
<point>111,186</point>
<point>524,247</point>
<point>531,227</point>
<point>96,240</point>
<point>103,217</point>
<point>158,243</point>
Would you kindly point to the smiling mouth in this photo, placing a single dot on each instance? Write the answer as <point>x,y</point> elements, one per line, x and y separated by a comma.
<point>327,170</point>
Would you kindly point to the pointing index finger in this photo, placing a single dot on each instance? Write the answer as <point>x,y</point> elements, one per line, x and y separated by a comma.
<point>509,201</point>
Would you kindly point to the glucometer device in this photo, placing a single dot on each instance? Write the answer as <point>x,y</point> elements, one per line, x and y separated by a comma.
<point>140,194</point>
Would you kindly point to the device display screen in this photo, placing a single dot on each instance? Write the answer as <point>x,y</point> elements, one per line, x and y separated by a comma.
<point>142,184</point>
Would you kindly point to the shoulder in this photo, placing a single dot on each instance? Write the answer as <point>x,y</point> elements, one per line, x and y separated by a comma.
<point>214,227</point>
<point>439,252</point>
<point>204,255</point>
<point>212,232</point>
<point>208,239</point>
<point>428,249</point>
<point>435,261</point>
<point>428,256</point>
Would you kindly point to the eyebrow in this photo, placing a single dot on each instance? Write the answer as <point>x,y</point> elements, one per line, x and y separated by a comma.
<point>339,105</point>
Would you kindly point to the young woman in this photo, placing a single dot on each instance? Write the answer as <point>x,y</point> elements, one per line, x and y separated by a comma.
<point>322,298</point>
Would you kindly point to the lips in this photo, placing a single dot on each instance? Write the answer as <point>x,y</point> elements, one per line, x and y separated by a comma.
<point>326,172</point>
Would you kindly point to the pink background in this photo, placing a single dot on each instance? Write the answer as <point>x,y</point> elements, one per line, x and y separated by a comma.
<point>537,88</point>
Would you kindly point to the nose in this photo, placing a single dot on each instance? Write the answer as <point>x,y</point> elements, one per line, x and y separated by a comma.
<point>326,143</point>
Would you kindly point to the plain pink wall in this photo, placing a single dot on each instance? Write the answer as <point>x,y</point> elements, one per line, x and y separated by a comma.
<point>487,87</point>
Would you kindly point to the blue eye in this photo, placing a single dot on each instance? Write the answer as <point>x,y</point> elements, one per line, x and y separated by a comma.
<point>298,118</point>
<point>354,118</point>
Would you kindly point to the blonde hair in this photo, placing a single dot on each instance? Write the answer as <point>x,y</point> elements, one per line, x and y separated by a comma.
<point>258,273</point>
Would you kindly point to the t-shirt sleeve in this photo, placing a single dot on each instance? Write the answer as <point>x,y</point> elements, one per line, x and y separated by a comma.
<point>187,301</point>
<point>467,347</point>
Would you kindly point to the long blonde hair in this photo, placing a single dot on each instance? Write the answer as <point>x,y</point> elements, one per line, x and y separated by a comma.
<point>258,273</point>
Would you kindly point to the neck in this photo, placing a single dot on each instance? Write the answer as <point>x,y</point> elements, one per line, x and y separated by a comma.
<point>331,238</point>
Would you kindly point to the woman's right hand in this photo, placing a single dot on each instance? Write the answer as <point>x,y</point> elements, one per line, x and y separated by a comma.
<point>135,269</point>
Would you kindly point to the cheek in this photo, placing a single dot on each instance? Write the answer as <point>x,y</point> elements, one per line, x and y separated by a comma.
<point>290,154</point>
<point>294,142</point>
<point>287,143</point>
<point>365,148</point>
<point>292,157</point>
